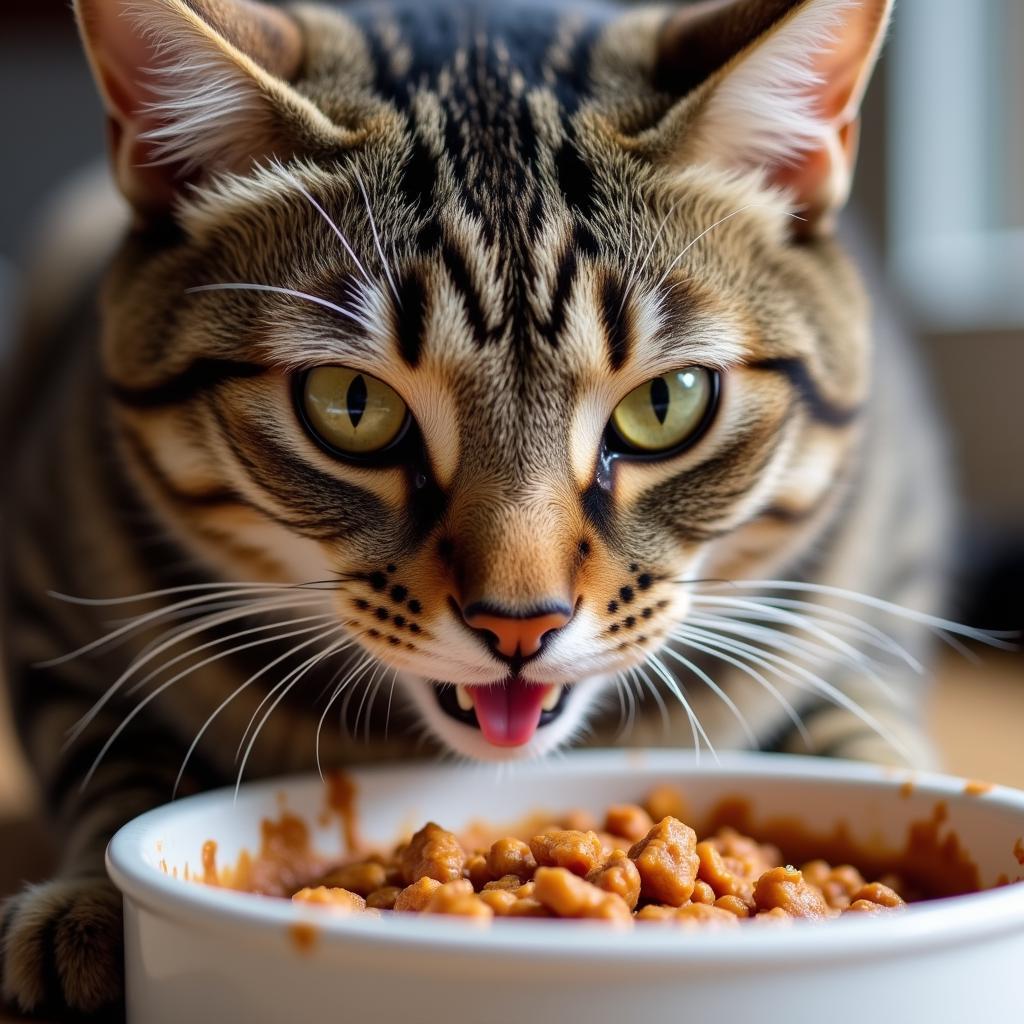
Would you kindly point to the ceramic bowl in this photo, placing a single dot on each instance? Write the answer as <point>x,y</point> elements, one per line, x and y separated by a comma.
<point>199,953</point>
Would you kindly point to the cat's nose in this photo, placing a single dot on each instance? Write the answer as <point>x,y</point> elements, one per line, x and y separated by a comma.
<point>516,635</point>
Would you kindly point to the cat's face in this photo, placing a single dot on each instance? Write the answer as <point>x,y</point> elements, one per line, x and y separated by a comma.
<point>510,367</point>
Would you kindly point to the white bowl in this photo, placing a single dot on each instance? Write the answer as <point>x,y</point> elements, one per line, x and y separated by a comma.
<point>197,953</point>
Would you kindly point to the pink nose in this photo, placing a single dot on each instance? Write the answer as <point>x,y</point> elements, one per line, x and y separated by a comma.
<point>516,635</point>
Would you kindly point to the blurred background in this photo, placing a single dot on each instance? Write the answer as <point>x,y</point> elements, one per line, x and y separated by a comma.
<point>940,193</point>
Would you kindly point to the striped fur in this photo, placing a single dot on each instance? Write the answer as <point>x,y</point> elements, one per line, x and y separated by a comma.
<point>507,215</point>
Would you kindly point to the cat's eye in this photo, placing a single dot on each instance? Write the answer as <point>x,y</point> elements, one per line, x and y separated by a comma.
<point>350,412</point>
<point>665,414</point>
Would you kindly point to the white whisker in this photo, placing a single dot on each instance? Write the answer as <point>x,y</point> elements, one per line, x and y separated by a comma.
<point>296,676</point>
<point>132,669</point>
<point>227,700</point>
<point>622,705</point>
<point>790,618</point>
<point>775,664</point>
<point>343,716</point>
<point>211,623</point>
<point>330,222</point>
<point>873,634</point>
<point>391,694</point>
<point>695,724</point>
<point>693,241</point>
<point>367,690</point>
<point>360,666</point>
<point>166,592</point>
<point>810,652</point>
<point>638,270</point>
<point>994,638</point>
<point>140,707</point>
<point>138,623</point>
<point>256,608</point>
<point>626,726</point>
<point>283,682</point>
<point>770,687</point>
<point>666,722</point>
<point>717,691</point>
<point>376,241</point>
<point>246,286</point>
<point>369,709</point>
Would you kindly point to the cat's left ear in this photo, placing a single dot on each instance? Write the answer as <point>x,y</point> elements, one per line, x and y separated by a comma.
<point>776,84</point>
<point>196,87</point>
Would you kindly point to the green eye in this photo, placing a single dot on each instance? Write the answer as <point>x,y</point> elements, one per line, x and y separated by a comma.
<point>352,412</point>
<point>664,413</point>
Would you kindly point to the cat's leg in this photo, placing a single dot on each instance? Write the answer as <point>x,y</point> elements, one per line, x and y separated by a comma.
<point>61,941</point>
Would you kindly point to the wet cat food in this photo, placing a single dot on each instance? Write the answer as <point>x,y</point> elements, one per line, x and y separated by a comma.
<point>641,863</point>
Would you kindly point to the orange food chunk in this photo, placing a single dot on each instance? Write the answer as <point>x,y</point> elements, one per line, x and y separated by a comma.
<point>433,853</point>
<point>578,852</point>
<point>333,897</point>
<point>784,888</point>
<point>618,875</point>
<point>568,895</point>
<point>414,898</point>
<point>511,857</point>
<point>630,821</point>
<point>457,898</point>
<point>667,861</point>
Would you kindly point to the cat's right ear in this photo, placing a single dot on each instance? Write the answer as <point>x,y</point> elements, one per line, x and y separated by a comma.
<point>196,87</point>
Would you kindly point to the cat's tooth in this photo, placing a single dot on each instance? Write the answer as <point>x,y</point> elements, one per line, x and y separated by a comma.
<point>551,699</point>
<point>464,699</point>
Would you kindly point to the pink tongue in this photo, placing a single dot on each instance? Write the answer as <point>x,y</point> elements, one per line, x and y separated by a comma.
<point>508,713</point>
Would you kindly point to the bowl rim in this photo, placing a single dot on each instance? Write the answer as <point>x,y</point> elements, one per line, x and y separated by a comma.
<point>953,920</point>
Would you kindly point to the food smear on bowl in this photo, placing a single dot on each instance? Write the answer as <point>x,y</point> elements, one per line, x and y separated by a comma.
<point>933,863</point>
<point>637,864</point>
<point>284,862</point>
<point>341,803</point>
<point>978,787</point>
<point>303,936</point>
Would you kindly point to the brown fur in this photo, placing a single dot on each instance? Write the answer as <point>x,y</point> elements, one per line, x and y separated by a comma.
<point>562,230</point>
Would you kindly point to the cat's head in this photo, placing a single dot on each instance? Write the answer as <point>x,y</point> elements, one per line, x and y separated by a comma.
<point>511,322</point>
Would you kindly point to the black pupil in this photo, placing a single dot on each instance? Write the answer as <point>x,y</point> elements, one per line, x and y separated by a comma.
<point>660,398</point>
<point>355,399</point>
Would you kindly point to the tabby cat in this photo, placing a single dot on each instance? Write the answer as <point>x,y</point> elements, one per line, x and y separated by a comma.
<point>485,377</point>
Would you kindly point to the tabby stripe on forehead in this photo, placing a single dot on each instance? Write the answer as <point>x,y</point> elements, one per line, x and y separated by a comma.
<point>821,409</point>
<point>583,241</point>
<point>410,315</point>
<point>575,178</point>
<point>198,378</point>
<point>419,176</point>
<point>460,276</point>
<point>615,317</point>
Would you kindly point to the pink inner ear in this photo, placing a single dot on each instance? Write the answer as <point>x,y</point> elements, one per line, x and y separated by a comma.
<point>193,140</point>
<point>122,58</point>
<point>845,66</point>
<point>821,177</point>
<point>121,54</point>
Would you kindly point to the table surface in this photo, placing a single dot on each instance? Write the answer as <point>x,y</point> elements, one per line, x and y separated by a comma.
<point>976,715</point>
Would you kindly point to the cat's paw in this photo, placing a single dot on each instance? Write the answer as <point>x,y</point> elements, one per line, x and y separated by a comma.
<point>61,947</point>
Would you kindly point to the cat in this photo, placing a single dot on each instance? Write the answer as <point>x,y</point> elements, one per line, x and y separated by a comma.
<point>487,376</point>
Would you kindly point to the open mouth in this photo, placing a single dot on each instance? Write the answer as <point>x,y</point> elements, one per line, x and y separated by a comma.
<point>509,713</point>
